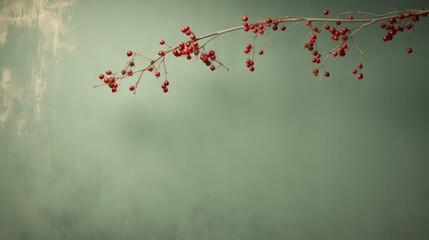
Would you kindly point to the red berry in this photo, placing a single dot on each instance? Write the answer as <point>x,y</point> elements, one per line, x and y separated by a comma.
<point>150,68</point>
<point>354,71</point>
<point>106,80</point>
<point>132,88</point>
<point>162,42</point>
<point>360,65</point>
<point>129,53</point>
<point>165,90</point>
<point>360,76</point>
<point>114,89</point>
<point>101,76</point>
<point>409,50</point>
<point>132,63</point>
<point>283,28</point>
<point>261,52</point>
<point>161,53</point>
<point>252,69</point>
<point>326,12</point>
<point>327,74</point>
<point>130,72</point>
<point>268,20</point>
<point>157,74</point>
<point>108,72</point>
<point>166,83</point>
<point>212,67</point>
<point>315,71</point>
<point>350,17</point>
<point>244,18</point>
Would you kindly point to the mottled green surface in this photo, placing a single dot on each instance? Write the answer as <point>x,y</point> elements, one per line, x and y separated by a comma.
<point>274,154</point>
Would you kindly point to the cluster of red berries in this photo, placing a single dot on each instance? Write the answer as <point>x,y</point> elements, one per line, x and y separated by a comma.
<point>336,34</point>
<point>188,48</point>
<point>398,24</point>
<point>310,43</point>
<point>392,27</point>
<point>112,79</point>
<point>164,86</point>
<point>258,28</point>
<point>316,60</point>
<point>187,31</point>
<point>249,49</point>
<point>109,80</point>
<point>249,64</point>
<point>192,47</point>
<point>355,71</point>
<point>208,58</point>
<point>341,50</point>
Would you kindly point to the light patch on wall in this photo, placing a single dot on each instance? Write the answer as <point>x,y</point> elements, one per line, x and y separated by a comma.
<point>10,96</point>
<point>47,15</point>
<point>51,18</point>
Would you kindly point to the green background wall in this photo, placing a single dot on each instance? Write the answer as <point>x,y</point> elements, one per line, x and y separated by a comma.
<point>274,154</point>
